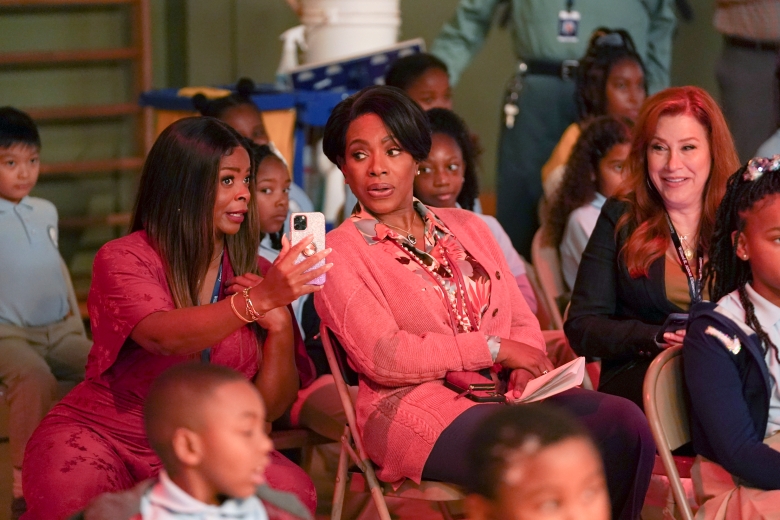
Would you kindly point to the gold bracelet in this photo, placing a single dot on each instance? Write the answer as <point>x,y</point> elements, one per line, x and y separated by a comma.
<point>250,308</point>
<point>235,311</point>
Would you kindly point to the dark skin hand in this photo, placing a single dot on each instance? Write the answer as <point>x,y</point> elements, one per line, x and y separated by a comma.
<point>192,329</point>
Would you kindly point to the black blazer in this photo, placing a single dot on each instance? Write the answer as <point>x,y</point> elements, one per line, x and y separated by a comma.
<point>612,316</point>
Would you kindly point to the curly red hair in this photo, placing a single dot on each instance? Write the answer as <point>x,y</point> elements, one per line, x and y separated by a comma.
<point>644,219</point>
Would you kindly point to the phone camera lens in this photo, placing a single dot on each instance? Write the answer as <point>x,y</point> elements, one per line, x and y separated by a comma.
<point>299,223</point>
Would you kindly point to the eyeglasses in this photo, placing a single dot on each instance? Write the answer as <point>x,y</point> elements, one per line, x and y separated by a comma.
<point>760,165</point>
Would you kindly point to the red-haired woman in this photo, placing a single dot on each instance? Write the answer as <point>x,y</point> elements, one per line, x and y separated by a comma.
<point>645,257</point>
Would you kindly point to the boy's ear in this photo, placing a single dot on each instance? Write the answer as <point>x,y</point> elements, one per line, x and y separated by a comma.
<point>741,245</point>
<point>187,446</point>
<point>478,507</point>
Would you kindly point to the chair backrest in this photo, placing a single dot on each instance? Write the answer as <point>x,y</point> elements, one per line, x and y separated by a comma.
<point>668,415</point>
<point>343,376</point>
<point>664,398</point>
<point>542,314</point>
<point>548,272</point>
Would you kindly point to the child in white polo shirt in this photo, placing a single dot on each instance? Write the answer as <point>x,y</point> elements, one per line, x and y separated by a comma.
<point>42,337</point>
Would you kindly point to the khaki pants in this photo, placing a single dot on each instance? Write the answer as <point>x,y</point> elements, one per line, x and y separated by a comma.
<point>31,361</point>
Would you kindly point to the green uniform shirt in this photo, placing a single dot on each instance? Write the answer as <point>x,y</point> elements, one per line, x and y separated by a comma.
<point>534,27</point>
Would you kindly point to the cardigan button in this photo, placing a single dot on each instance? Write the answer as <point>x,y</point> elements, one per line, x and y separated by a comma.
<point>495,311</point>
<point>498,275</point>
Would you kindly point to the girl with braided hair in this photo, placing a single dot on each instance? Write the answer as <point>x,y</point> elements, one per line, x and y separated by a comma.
<point>730,351</point>
<point>610,81</point>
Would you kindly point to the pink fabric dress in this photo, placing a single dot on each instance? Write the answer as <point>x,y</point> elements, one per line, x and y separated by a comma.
<point>93,441</point>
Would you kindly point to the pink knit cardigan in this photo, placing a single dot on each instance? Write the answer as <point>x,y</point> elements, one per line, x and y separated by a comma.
<point>398,337</point>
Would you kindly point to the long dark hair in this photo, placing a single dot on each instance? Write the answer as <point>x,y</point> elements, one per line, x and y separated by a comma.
<point>606,49</point>
<point>581,180</point>
<point>175,204</point>
<point>726,272</point>
<point>447,122</point>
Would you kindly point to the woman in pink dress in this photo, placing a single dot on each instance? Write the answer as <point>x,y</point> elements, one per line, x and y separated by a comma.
<point>158,298</point>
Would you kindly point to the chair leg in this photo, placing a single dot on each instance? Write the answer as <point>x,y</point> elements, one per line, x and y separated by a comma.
<point>376,492</point>
<point>444,507</point>
<point>670,503</point>
<point>340,488</point>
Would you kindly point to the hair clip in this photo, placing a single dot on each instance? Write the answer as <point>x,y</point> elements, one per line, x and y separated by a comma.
<point>610,40</point>
<point>760,165</point>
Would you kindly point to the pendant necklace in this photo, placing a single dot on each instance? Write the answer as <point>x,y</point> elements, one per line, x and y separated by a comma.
<point>411,238</point>
<point>687,248</point>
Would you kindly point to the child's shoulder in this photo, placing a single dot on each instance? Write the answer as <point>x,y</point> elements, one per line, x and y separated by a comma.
<point>42,206</point>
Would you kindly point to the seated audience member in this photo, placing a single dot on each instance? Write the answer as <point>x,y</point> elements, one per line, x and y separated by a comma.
<point>447,178</point>
<point>594,171</point>
<point>731,360</point>
<point>318,406</point>
<point>158,298</point>
<point>207,424</point>
<point>644,258</point>
<point>272,190</point>
<point>42,337</point>
<point>424,78</point>
<point>610,81</point>
<point>238,111</point>
<point>417,292</point>
<point>533,462</point>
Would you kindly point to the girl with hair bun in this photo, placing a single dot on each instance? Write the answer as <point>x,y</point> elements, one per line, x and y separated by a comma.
<point>239,111</point>
<point>730,352</point>
<point>610,81</point>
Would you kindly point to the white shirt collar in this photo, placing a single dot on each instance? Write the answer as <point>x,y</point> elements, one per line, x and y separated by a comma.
<point>598,201</point>
<point>768,313</point>
<point>7,205</point>
<point>167,501</point>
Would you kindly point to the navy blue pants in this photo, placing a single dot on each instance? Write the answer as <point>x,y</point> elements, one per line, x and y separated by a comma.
<point>547,107</point>
<point>617,425</point>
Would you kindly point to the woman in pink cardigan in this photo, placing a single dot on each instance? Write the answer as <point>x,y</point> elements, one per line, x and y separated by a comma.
<point>415,294</point>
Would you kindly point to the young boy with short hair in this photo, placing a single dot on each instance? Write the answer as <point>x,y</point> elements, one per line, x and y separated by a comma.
<point>533,462</point>
<point>42,337</point>
<point>207,424</point>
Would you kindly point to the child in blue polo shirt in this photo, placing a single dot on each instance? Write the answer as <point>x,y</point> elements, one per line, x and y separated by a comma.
<point>42,337</point>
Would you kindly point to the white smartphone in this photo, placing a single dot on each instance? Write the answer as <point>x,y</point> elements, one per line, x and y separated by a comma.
<point>303,225</point>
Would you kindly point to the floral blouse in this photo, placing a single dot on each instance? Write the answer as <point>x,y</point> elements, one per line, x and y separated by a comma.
<point>460,281</point>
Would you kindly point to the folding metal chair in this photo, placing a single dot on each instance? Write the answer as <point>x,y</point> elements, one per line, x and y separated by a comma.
<point>352,450</point>
<point>667,412</point>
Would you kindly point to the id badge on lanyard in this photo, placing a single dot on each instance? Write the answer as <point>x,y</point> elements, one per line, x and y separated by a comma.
<point>205,354</point>
<point>568,24</point>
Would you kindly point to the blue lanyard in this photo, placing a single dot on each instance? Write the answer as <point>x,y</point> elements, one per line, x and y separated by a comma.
<point>205,354</point>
